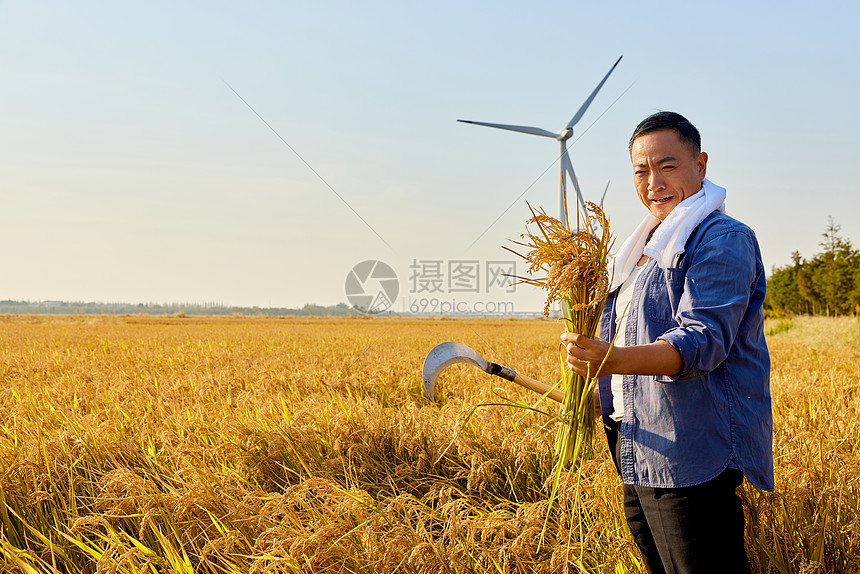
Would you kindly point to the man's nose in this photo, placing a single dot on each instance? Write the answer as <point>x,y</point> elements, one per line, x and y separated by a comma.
<point>655,181</point>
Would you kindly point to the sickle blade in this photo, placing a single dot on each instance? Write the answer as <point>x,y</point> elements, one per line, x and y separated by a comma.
<point>444,355</point>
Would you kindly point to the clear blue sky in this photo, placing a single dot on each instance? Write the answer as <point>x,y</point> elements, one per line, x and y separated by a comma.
<point>129,171</point>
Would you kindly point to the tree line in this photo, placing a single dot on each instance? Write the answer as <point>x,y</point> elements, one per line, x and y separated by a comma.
<point>9,306</point>
<point>827,284</point>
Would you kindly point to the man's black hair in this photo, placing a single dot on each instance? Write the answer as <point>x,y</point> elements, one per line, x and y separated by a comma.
<point>686,131</point>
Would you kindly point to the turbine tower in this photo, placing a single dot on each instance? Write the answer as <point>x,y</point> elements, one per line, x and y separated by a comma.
<point>562,136</point>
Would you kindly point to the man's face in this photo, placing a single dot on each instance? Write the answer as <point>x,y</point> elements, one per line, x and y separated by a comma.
<point>666,171</point>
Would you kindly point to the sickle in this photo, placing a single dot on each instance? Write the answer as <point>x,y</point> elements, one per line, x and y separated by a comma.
<point>445,354</point>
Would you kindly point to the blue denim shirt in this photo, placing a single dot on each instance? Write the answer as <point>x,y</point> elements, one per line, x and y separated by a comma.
<point>687,428</point>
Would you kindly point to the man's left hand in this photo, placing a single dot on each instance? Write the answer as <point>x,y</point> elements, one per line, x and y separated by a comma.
<point>584,355</point>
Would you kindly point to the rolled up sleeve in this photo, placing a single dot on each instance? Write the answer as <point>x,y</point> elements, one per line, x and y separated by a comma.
<point>717,288</point>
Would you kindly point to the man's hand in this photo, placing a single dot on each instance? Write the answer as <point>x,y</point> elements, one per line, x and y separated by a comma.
<point>585,355</point>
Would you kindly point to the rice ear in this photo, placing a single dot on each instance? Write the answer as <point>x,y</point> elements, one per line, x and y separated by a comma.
<point>577,278</point>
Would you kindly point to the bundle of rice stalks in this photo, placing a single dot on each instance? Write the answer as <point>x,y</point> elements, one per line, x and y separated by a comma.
<point>576,277</point>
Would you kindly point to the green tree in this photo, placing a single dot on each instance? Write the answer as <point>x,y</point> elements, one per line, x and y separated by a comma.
<point>829,283</point>
<point>783,294</point>
<point>833,271</point>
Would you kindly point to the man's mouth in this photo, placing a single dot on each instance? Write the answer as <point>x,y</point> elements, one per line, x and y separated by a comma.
<point>662,199</point>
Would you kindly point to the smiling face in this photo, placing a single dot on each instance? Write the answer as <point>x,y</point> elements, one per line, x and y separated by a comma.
<point>666,171</point>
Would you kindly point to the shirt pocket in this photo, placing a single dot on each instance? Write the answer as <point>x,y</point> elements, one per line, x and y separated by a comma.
<point>675,278</point>
<point>657,304</point>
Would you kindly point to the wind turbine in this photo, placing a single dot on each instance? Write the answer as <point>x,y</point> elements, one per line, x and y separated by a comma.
<point>562,136</point>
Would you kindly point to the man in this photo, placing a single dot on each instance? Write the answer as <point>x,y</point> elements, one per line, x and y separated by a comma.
<point>684,392</point>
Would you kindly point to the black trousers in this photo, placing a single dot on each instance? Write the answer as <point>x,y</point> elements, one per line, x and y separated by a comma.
<point>689,530</point>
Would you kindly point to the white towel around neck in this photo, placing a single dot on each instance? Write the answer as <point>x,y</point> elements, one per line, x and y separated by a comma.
<point>669,239</point>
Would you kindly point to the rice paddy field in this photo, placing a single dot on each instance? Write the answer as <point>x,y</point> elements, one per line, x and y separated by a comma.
<point>286,445</point>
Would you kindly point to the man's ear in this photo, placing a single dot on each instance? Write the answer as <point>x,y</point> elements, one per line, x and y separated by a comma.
<point>702,164</point>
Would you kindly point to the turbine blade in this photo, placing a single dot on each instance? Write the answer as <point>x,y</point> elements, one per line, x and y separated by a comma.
<point>604,194</point>
<point>587,103</point>
<point>523,129</point>
<point>568,166</point>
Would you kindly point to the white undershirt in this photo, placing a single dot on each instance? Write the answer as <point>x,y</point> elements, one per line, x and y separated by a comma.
<point>625,296</point>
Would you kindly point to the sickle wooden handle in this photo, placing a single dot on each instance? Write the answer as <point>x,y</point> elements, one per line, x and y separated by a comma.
<point>527,382</point>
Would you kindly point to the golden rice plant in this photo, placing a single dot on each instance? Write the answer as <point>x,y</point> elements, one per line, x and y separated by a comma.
<point>306,445</point>
<point>574,262</point>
